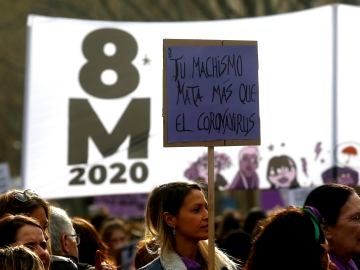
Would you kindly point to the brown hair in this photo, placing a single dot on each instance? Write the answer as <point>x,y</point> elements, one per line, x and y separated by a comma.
<point>328,199</point>
<point>90,241</point>
<point>298,239</point>
<point>10,224</point>
<point>22,202</point>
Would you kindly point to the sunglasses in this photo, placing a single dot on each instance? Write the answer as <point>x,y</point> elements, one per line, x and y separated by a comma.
<point>25,196</point>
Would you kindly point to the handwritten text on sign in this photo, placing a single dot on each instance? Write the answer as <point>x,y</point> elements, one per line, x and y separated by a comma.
<point>212,93</point>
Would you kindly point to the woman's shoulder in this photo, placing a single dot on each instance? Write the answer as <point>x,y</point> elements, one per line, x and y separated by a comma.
<point>153,265</point>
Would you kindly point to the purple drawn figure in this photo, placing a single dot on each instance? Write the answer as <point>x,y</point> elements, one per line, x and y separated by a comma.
<point>247,177</point>
<point>198,170</point>
<point>282,173</point>
<point>341,175</point>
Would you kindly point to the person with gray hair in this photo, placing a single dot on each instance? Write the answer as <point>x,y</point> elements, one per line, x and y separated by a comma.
<point>64,244</point>
<point>64,240</point>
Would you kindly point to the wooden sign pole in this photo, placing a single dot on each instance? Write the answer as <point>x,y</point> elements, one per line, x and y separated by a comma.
<point>194,95</point>
<point>211,208</point>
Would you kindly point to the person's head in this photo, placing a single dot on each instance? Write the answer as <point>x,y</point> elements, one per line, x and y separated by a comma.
<point>300,243</point>
<point>176,218</point>
<point>17,230</point>
<point>339,207</point>
<point>174,210</point>
<point>25,203</point>
<point>252,219</point>
<point>90,240</point>
<point>64,239</point>
<point>230,220</point>
<point>236,243</point>
<point>115,233</point>
<point>19,258</point>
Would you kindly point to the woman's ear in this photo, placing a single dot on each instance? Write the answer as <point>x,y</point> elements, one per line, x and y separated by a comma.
<point>169,219</point>
<point>327,231</point>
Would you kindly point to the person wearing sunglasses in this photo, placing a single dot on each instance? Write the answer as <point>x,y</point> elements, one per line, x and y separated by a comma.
<point>25,202</point>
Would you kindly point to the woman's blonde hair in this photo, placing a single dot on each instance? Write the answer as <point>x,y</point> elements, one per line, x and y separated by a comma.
<point>19,258</point>
<point>169,198</point>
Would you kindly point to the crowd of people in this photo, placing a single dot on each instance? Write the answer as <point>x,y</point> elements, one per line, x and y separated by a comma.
<point>323,234</point>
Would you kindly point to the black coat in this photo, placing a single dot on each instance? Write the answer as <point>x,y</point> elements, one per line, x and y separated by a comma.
<point>68,263</point>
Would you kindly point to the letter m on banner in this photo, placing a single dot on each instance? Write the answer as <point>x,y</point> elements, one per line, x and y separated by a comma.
<point>85,124</point>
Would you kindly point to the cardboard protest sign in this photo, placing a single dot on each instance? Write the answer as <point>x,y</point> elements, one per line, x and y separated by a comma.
<point>211,93</point>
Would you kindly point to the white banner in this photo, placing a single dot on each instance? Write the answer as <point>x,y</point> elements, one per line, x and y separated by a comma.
<point>5,179</point>
<point>93,116</point>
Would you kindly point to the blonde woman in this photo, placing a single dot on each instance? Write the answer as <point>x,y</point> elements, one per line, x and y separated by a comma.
<point>177,218</point>
<point>19,258</point>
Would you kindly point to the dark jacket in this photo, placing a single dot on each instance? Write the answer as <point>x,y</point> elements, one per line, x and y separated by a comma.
<point>68,263</point>
<point>62,263</point>
<point>153,265</point>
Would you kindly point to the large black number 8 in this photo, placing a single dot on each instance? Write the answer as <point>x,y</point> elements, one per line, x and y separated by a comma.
<point>119,60</point>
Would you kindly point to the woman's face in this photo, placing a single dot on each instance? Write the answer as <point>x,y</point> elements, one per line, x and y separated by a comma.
<point>192,221</point>
<point>118,239</point>
<point>344,236</point>
<point>33,238</point>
